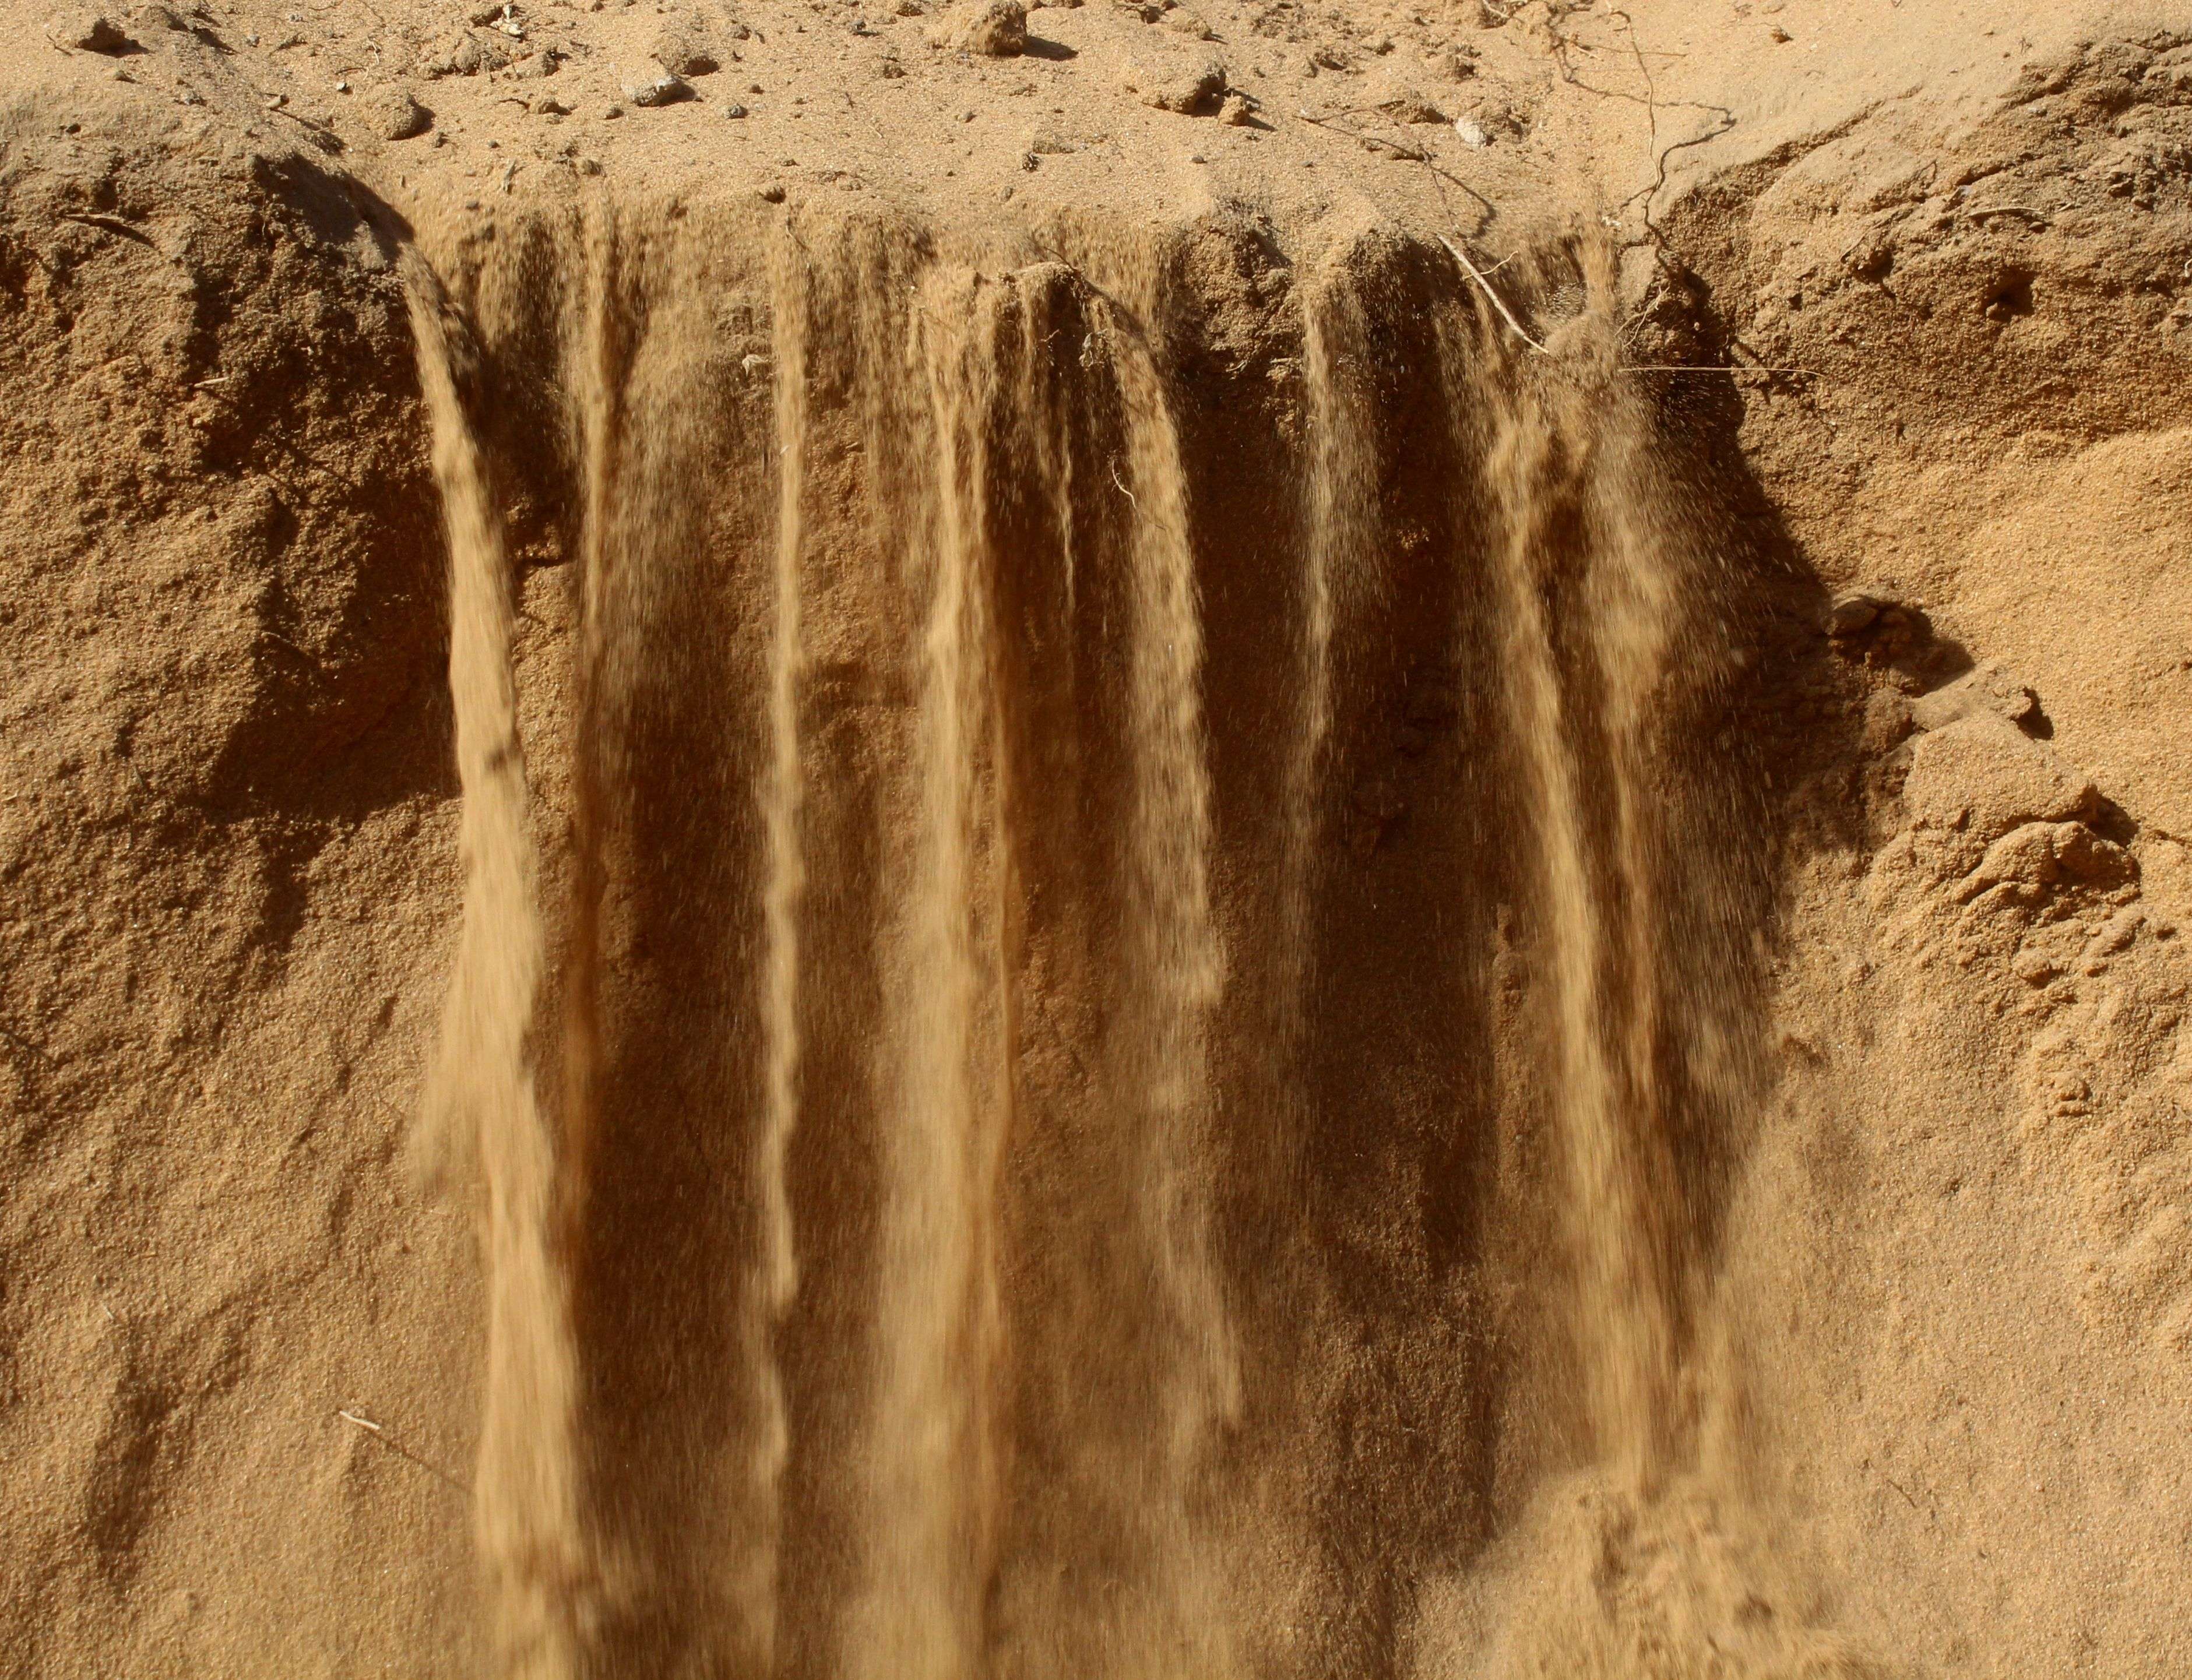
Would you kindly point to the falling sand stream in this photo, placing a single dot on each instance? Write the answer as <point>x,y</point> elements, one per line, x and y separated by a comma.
<point>970,830</point>
<point>526,1509</point>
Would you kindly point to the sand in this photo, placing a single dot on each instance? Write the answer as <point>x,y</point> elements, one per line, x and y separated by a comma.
<point>946,878</point>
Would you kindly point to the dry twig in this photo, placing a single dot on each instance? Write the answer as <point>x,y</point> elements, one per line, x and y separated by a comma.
<point>1485,285</point>
<point>379,1433</point>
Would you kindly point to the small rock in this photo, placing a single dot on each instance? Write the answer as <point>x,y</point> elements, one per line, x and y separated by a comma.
<point>1195,91</point>
<point>589,166</point>
<point>469,55</point>
<point>893,70</point>
<point>396,115</point>
<point>1238,111</point>
<point>665,90</point>
<point>734,111</point>
<point>92,32</point>
<point>550,106</point>
<point>772,195</point>
<point>1779,35</point>
<point>682,48</point>
<point>1851,612</point>
<point>1472,134</point>
<point>996,29</point>
<point>1182,21</point>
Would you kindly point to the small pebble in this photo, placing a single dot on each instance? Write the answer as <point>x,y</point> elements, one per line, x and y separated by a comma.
<point>683,49</point>
<point>1850,613</point>
<point>665,90</point>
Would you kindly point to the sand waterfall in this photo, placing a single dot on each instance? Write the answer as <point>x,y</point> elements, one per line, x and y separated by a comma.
<point>947,1255</point>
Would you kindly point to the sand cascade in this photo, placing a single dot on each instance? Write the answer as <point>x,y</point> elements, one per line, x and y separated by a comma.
<point>1104,1051</point>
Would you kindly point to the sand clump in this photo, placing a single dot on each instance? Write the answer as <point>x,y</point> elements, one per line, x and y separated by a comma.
<point>996,29</point>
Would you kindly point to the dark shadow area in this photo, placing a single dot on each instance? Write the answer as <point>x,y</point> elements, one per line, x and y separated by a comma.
<point>338,529</point>
<point>333,207</point>
<point>1764,737</point>
<point>671,735</point>
<point>1357,1112</point>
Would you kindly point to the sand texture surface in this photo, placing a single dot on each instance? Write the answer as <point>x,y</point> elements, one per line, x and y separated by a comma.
<point>864,840</point>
